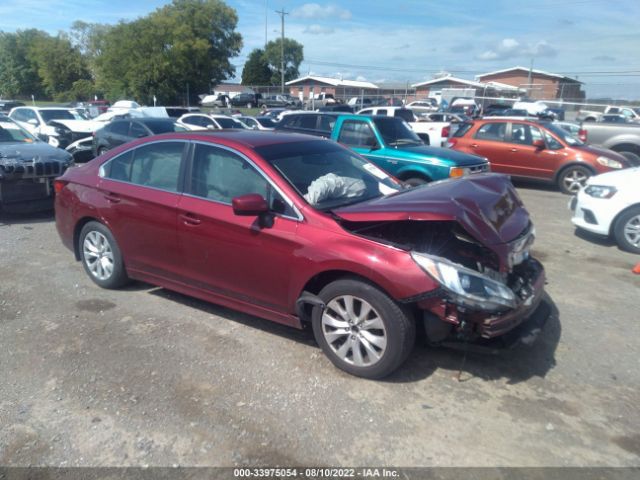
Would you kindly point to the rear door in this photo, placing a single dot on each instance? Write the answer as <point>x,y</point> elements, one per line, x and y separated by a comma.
<point>489,141</point>
<point>233,255</point>
<point>141,188</point>
<point>117,133</point>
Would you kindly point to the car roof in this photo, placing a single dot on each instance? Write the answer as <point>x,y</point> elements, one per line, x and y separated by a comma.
<point>242,137</point>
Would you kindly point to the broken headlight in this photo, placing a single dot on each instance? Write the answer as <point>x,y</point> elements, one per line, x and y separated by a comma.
<point>467,287</point>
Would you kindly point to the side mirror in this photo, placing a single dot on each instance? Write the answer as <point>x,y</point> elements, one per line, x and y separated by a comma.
<point>211,126</point>
<point>251,204</point>
<point>33,121</point>
<point>539,144</point>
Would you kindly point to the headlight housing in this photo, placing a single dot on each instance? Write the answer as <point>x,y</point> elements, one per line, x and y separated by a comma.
<point>600,191</point>
<point>455,172</point>
<point>608,162</point>
<point>467,287</point>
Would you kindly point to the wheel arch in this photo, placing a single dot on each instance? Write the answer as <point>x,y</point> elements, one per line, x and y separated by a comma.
<point>76,233</point>
<point>411,172</point>
<point>321,279</point>
<point>619,214</point>
<point>573,163</point>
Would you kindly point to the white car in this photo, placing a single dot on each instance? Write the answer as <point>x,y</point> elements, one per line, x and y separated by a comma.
<point>435,134</point>
<point>202,121</point>
<point>57,125</point>
<point>609,204</point>
<point>258,123</point>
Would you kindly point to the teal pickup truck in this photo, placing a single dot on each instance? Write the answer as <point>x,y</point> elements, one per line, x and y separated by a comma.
<point>391,144</point>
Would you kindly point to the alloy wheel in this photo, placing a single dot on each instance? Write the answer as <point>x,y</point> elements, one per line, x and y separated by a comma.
<point>632,231</point>
<point>98,255</point>
<point>574,180</point>
<point>354,330</point>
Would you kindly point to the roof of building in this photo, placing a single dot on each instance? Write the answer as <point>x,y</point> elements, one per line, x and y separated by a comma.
<point>449,78</point>
<point>525,69</point>
<point>336,82</point>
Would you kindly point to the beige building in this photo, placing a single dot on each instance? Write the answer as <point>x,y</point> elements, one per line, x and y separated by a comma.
<point>540,86</point>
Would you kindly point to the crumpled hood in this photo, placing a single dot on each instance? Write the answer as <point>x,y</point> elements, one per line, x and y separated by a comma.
<point>81,126</point>
<point>26,152</point>
<point>486,205</point>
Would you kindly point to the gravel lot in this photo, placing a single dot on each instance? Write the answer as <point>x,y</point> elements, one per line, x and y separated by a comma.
<point>144,376</point>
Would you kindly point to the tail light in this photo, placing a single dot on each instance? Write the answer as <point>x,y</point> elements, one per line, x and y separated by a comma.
<point>445,132</point>
<point>58,185</point>
<point>582,135</point>
<point>451,142</point>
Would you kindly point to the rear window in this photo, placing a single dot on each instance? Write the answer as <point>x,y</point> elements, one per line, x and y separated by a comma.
<point>405,114</point>
<point>462,129</point>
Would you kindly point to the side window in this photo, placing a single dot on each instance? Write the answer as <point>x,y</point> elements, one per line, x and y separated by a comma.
<point>524,134</point>
<point>492,131</point>
<point>368,111</point>
<point>221,175</point>
<point>308,121</point>
<point>552,143</point>
<point>356,134</point>
<point>157,165</point>
<point>138,131</point>
<point>120,167</point>
<point>120,128</point>
<point>326,123</point>
<point>192,121</point>
<point>19,115</point>
<point>382,111</point>
<point>627,113</point>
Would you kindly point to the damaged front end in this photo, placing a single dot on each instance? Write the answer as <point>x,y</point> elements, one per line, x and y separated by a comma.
<point>488,289</point>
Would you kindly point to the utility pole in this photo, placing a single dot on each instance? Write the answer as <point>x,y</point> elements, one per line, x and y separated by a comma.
<point>529,86</point>
<point>265,24</point>
<point>282,13</point>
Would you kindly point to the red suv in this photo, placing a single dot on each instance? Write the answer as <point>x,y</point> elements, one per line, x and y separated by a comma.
<point>297,229</point>
<point>537,150</point>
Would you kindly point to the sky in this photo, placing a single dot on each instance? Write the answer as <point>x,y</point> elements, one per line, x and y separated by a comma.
<point>408,41</point>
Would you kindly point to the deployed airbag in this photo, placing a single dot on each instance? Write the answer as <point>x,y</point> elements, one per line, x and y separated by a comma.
<point>333,186</point>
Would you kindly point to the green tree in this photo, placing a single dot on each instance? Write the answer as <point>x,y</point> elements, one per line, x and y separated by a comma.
<point>185,45</point>
<point>18,70</point>
<point>293,56</point>
<point>59,65</point>
<point>256,70</point>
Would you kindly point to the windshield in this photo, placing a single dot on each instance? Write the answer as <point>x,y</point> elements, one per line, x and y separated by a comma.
<point>228,122</point>
<point>327,175</point>
<point>563,134</point>
<point>396,132</point>
<point>60,115</point>
<point>11,132</point>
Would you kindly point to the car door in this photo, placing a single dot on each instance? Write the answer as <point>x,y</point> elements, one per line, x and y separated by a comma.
<point>527,160</point>
<point>117,133</point>
<point>141,188</point>
<point>230,255</point>
<point>489,141</point>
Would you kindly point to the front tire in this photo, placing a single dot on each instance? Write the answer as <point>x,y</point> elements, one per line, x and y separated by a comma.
<point>627,230</point>
<point>362,330</point>
<point>101,257</point>
<point>573,178</point>
<point>633,158</point>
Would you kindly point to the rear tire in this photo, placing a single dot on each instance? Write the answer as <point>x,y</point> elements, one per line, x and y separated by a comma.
<point>626,230</point>
<point>101,256</point>
<point>572,178</point>
<point>362,330</point>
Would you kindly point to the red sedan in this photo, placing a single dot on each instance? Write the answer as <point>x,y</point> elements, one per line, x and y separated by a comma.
<point>296,229</point>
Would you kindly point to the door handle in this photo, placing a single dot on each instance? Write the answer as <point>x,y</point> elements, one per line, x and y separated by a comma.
<point>112,197</point>
<point>514,149</point>
<point>474,145</point>
<point>189,219</point>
